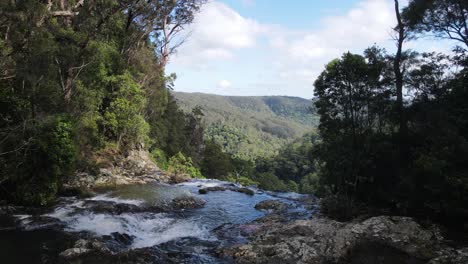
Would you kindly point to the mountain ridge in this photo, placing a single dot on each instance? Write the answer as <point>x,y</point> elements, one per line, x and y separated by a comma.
<point>252,126</point>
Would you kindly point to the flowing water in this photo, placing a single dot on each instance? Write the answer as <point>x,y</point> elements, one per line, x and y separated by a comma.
<point>33,238</point>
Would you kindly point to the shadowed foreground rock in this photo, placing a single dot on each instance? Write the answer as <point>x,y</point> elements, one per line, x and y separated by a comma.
<point>377,240</point>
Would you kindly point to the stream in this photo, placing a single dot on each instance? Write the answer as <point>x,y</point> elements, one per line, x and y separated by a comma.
<point>135,218</point>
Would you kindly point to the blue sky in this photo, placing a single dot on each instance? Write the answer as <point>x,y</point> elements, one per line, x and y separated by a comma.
<point>276,47</point>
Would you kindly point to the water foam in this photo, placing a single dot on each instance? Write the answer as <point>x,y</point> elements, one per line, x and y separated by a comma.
<point>148,229</point>
<point>108,198</point>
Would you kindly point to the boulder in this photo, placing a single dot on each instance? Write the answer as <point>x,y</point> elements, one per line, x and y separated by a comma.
<point>212,189</point>
<point>382,239</point>
<point>74,252</point>
<point>245,191</point>
<point>187,202</point>
<point>84,247</point>
<point>274,205</point>
<point>230,187</point>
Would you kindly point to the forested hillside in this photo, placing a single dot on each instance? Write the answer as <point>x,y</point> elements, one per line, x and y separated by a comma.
<point>251,126</point>
<point>79,79</point>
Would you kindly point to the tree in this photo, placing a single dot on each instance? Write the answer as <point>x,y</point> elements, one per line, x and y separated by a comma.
<point>215,164</point>
<point>163,21</point>
<point>399,72</point>
<point>93,65</point>
<point>444,18</point>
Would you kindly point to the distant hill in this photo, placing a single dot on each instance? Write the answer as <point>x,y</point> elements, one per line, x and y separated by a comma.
<point>252,126</point>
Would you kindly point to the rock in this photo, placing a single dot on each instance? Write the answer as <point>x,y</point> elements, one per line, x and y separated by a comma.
<point>230,187</point>
<point>114,208</point>
<point>212,189</point>
<point>245,190</point>
<point>271,219</point>
<point>124,239</point>
<point>113,168</point>
<point>73,252</point>
<point>322,240</point>
<point>83,248</point>
<point>187,202</point>
<point>178,178</point>
<point>39,222</point>
<point>451,256</point>
<point>274,205</point>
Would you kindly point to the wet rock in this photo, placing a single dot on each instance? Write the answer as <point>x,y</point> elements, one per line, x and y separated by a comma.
<point>41,222</point>
<point>230,187</point>
<point>245,190</point>
<point>187,202</point>
<point>212,189</point>
<point>178,178</point>
<point>323,240</point>
<point>124,239</point>
<point>274,205</point>
<point>108,207</point>
<point>83,248</point>
<point>74,252</point>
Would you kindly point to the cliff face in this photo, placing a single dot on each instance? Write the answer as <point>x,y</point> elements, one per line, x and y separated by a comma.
<point>111,167</point>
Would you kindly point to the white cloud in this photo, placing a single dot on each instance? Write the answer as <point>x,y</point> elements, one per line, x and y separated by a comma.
<point>291,58</point>
<point>303,57</point>
<point>223,84</point>
<point>216,33</point>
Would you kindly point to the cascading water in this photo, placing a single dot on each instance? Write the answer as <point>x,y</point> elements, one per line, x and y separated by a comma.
<point>135,211</point>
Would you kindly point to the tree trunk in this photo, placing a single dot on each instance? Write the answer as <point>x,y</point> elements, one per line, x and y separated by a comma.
<point>397,68</point>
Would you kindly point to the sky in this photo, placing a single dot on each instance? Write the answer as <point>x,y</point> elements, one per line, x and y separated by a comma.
<point>277,47</point>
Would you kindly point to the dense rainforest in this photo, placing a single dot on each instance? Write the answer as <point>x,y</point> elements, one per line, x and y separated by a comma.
<point>84,77</point>
<point>79,77</point>
<point>393,125</point>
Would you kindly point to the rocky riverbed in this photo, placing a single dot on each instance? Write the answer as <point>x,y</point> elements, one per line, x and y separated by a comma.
<point>209,221</point>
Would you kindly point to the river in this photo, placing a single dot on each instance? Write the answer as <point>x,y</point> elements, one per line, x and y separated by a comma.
<point>117,216</point>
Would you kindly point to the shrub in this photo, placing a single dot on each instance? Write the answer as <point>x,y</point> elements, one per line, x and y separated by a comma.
<point>48,159</point>
<point>269,181</point>
<point>179,164</point>
<point>339,207</point>
<point>160,158</point>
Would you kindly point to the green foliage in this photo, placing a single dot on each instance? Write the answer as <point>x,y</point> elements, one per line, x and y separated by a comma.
<point>251,127</point>
<point>180,165</point>
<point>216,164</point>
<point>444,18</point>
<point>310,183</point>
<point>98,68</point>
<point>123,121</point>
<point>46,160</point>
<point>295,165</point>
<point>361,150</point>
<point>269,181</point>
<point>160,158</point>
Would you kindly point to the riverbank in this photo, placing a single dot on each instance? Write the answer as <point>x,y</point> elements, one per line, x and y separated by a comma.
<point>141,223</point>
<point>381,240</point>
<point>209,221</point>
